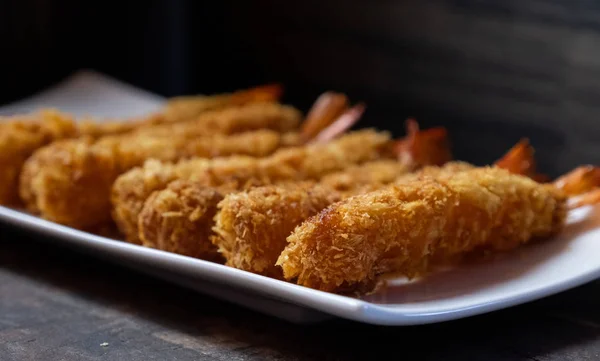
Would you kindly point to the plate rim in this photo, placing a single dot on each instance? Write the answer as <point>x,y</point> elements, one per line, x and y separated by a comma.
<point>337,305</point>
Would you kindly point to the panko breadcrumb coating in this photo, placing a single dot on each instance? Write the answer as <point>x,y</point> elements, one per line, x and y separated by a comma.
<point>182,205</point>
<point>19,138</point>
<point>188,106</point>
<point>180,109</point>
<point>132,189</point>
<point>371,173</point>
<point>179,218</point>
<point>399,228</point>
<point>274,116</point>
<point>299,163</point>
<point>251,227</point>
<point>69,182</point>
<point>21,135</point>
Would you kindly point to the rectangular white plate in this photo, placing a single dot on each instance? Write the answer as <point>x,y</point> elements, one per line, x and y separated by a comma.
<point>530,273</point>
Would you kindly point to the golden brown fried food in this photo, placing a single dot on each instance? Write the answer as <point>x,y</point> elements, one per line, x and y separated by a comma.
<point>251,227</point>
<point>19,138</point>
<point>71,166</point>
<point>132,189</point>
<point>69,182</point>
<point>66,182</point>
<point>281,118</point>
<point>176,206</point>
<point>373,173</point>
<point>182,108</point>
<point>436,172</point>
<point>252,224</point>
<point>301,163</point>
<point>188,233</point>
<point>252,235</point>
<point>188,106</point>
<point>399,228</point>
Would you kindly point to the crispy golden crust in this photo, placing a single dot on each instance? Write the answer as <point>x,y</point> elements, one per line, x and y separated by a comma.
<point>68,183</point>
<point>371,173</point>
<point>131,189</point>
<point>186,108</point>
<point>62,179</point>
<point>317,160</point>
<point>197,115</point>
<point>19,138</point>
<point>399,228</point>
<point>274,116</point>
<point>436,172</point>
<point>178,218</point>
<point>251,227</point>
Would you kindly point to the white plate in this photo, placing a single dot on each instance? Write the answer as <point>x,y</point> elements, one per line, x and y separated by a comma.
<point>527,274</point>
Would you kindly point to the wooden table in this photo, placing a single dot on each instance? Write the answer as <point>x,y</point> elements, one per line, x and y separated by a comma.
<point>56,304</point>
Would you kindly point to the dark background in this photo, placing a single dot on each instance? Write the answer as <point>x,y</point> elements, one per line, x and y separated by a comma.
<point>491,71</point>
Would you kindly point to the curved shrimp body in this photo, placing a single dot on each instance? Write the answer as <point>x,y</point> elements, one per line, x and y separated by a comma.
<point>69,182</point>
<point>131,190</point>
<point>401,227</point>
<point>20,137</point>
<point>251,227</point>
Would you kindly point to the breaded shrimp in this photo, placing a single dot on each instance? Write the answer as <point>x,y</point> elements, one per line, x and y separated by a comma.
<point>300,163</point>
<point>251,227</point>
<point>182,108</point>
<point>69,182</point>
<point>188,106</point>
<point>183,205</point>
<point>251,235</point>
<point>371,173</point>
<point>19,138</point>
<point>399,228</point>
<point>278,117</point>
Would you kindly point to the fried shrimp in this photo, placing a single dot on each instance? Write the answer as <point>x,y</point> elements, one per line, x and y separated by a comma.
<point>182,108</point>
<point>373,173</point>
<point>69,182</point>
<point>176,205</point>
<point>19,138</point>
<point>251,227</point>
<point>399,228</point>
<point>252,224</point>
<point>274,116</point>
<point>294,164</point>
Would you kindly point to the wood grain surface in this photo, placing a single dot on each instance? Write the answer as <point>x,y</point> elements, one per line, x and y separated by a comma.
<point>56,304</point>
